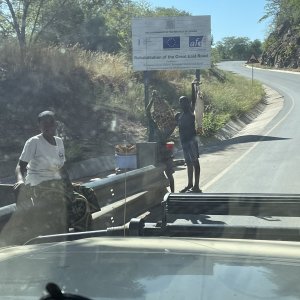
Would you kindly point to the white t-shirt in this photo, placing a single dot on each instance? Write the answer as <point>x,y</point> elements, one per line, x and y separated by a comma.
<point>44,160</point>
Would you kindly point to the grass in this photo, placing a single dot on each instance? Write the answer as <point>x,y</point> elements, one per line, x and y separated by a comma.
<point>235,96</point>
<point>226,96</point>
<point>87,83</point>
<point>116,85</point>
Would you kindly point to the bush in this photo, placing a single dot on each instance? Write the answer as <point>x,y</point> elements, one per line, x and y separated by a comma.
<point>89,90</point>
<point>213,122</point>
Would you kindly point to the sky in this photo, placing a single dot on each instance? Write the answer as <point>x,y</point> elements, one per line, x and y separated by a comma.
<point>237,18</point>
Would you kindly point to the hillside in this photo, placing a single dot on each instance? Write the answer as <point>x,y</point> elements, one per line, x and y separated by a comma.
<point>283,47</point>
<point>99,100</point>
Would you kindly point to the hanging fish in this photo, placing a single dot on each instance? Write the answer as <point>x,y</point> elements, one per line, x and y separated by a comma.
<point>197,105</point>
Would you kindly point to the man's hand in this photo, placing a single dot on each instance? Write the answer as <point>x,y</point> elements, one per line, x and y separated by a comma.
<point>177,116</point>
<point>200,130</point>
<point>154,94</point>
<point>196,82</point>
<point>18,185</point>
<point>23,199</point>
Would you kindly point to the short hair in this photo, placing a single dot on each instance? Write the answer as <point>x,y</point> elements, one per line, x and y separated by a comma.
<point>45,114</point>
<point>183,99</point>
<point>185,103</point>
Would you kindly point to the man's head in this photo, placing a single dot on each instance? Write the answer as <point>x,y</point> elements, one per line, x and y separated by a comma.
<point>154,95</point>
<point>47,123</point>
<point>185,103</point>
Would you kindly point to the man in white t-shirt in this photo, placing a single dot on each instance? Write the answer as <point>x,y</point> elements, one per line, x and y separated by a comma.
<point>43,155</point>
<point>46,201</point>
<point>43,202</point>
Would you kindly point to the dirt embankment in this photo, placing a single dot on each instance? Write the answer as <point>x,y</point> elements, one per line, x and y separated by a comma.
<point>88,128</point>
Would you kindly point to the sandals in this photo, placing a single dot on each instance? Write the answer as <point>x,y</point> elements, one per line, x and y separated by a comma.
<point>189,189</point>
<point>185,189</point>
<point>194,190</point>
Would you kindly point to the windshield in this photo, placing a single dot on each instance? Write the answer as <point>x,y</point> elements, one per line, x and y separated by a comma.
<point>153,119</point>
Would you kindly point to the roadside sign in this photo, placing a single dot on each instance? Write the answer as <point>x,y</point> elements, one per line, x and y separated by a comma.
<point>253,59</point>
<point>166,43</point>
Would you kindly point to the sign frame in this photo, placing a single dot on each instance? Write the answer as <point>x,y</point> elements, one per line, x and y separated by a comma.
<point>171,43</point>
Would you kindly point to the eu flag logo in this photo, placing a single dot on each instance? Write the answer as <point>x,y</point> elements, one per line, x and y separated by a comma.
<point>172,42</point>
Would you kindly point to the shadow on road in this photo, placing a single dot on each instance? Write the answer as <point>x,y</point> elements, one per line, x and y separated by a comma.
<point>203,219</point>
<point>222,145</point>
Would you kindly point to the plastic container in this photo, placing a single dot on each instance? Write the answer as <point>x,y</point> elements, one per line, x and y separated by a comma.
<point>170,146</point>
<point>126,161</point>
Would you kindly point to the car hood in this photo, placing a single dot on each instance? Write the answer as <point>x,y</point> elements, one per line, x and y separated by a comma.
<point>154,268</point>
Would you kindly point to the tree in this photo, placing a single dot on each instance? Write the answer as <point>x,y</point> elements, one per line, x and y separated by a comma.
<point>93,24</point>
<point>23,17</point>
<point>61,22</point>
<point>256,48</point>
<point>161,11</point>
<point>272,9</point>
<point>94,36</point>
<point>281,48</point>
<point>281,10</point>
<point>238,48</point>
<point>64,28</point>
<point>118,17</point>
<point>215,55</point>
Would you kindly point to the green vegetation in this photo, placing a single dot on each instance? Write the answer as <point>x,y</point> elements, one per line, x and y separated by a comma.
<point>89,89</point>
<point>280,11</point>
<point>282,47</point>
<point>228,99</point>
<point>237,48</point>
<point>74,57</point>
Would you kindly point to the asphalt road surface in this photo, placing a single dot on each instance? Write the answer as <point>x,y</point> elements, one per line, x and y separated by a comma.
<point>265,156</point>
<point>271,161</point>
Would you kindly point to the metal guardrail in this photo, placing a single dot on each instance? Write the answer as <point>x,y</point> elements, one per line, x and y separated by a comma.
<point>146,186</point>
<point>7,195</point>
<point>111,189</point>
<point>5,214</point>
<point>125,196</point>
<point>7,203</point>
<point>241,205</point>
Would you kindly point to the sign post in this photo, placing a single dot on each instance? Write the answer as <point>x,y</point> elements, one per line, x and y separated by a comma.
<point>146,102</point>
<point>253,60</point>
<point>198,74</point>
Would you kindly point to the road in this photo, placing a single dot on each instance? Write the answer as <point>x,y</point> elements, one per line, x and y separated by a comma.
<point>265,156</point>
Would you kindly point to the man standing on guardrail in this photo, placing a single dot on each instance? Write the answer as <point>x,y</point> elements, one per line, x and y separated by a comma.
<point>188,138</point>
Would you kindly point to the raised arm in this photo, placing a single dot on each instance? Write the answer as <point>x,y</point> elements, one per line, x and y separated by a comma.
<point>149,106</point>
<point>195,89</point>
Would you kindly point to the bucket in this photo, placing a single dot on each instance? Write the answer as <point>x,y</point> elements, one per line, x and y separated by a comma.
<point>126,161</point>
<point>170,146</point>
